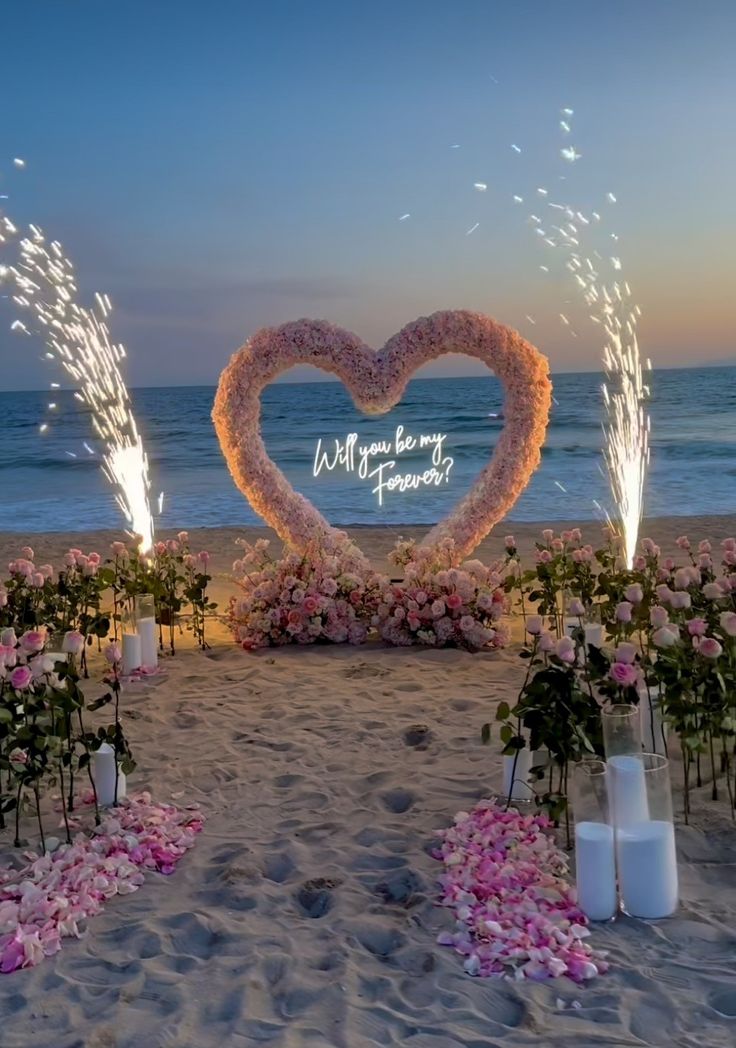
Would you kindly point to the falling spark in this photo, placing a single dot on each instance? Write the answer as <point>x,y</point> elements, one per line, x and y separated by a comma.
<point>545,269</point>
<point>564,126</point>
<point>610,198</point>
<point>403,218</point>
<point>43,427</point>
<point>18,161</point>
<point>480,186</point>
<point>79,339</point>
<point>516,149</point>
<point>518,199</point>
<point>71,454</point>
<point>455,147</point>
<point>561,487</point>
<point>472,229</point>
<point>160,503</point>
<point>530,319</point>
<point>564,319</point>
<point>542,191</point>
<point>570,153</point>
<point>567,112</point>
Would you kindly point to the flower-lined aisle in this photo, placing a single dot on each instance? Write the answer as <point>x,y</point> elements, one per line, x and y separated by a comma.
<point>47,899</point>
<point>515,913</point>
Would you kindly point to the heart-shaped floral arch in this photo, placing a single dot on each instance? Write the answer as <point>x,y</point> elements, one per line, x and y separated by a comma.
<point>376,381</point>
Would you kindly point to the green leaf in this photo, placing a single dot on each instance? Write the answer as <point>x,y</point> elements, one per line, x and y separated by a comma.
<point>503,711</point>
<point>485,734</point>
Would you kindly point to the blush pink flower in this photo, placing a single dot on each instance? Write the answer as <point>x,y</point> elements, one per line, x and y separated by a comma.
<point>623,674</point>
<point>454,601</point>
<point>658,616</point>
<point>697,627</point>
<point>710,648</point>
<point>623,611</point>
<point>21,677</point>
<point>728,623</point>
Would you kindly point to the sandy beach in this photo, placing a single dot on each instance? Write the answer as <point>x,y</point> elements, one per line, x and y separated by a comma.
<point>304,915</point>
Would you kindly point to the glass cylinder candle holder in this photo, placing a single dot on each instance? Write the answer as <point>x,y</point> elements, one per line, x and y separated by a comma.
<point>645,847</point>
<point>516,769</point>
<point>595,862</point>
<point>621,729</point>
<point>146,611</point>
<point>131,642</point>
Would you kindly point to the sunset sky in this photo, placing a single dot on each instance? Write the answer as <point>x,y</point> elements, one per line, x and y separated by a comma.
<point>220,166</point>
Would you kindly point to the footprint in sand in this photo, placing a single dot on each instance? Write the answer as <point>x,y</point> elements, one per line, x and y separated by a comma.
<point>315,896</point>
<point>723,1002</point>
<point>398,801</point>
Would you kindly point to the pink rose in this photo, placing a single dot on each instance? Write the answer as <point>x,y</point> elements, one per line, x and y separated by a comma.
<point>576,535</point>
<point>577,607</point>
<point>624,674</point>
<point>118,549</point>
<point>546,641</point>
<point>113,653</point>
<point>704,546</point>
<point>454,601</point>
<point>683,542</point>
<point>160,548</point>
<point>640,562</point>
<point>565,650</point>
<point>548,534</point>
<point>172,545</point>
<point>204,556</point>
<point>21,677</point>
<point>650,547</point>
<point>190,561</point>
<point>729,545</point>
<point>625,653</point>
<point>294,617</point>
<point>728,623</point>
<point>509,542</point>
<point>28,553</point>
<point>438,608</point>
<point>37,580</point>
<point>634,593</point>
<point>73,642</point>
<point>183,537</point>
<point>558,545</point>
<point>665,637</point>
<point>697,627</point>
<point>623,611</point>
<point>680,600</point>
<point>712,591</point>
<point>94,558</point>
<point>658,616</point>
<point>709,647</point>
<point>544,556</point>
<point>534,625</point>
<point>33,640</point>
<point>705,561</point>
<point>682,578</point>
<point>310,605</point>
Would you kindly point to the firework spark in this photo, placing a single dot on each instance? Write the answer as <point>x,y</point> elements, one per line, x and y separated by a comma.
<point>78,338</point>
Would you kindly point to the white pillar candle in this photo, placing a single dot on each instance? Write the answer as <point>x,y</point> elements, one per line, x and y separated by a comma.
<point>595,870</point>
<point>627,789</point>
<point>653,728</point>
<point>593,634</point>
<point>515,779</point>
<point>131,653</point>
<point>149,644</point>
<point>103,773</point>
<point>647,868</point>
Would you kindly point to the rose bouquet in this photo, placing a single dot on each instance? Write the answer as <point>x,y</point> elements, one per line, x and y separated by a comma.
<point>325,593</point>
<point>441,604</point>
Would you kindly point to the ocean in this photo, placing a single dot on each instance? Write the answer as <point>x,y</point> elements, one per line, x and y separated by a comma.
<point>693,457</point>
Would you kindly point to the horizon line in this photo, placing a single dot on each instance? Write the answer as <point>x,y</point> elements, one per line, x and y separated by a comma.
<point>330,381</point>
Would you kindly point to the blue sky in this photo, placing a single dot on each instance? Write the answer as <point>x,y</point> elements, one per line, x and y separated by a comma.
<point>217,167</point>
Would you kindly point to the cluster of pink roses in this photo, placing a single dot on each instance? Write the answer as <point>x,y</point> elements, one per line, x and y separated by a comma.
<point>441,605</point>
<point>515,914</point>
<point>50,898</point>
<point>331,594</point>
<point>317,595</point>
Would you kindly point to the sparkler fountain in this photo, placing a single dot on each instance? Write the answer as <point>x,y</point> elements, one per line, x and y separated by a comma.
<point>626,426</point>
<point>78,338</point>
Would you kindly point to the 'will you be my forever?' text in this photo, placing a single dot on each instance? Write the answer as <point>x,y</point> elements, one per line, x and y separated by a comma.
<point>362,459</point>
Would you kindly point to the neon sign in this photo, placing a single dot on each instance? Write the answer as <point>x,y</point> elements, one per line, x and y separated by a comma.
<point>377,462</point>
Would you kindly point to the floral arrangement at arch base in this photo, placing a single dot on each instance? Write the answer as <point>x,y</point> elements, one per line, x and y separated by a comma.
<point>332,595</point>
